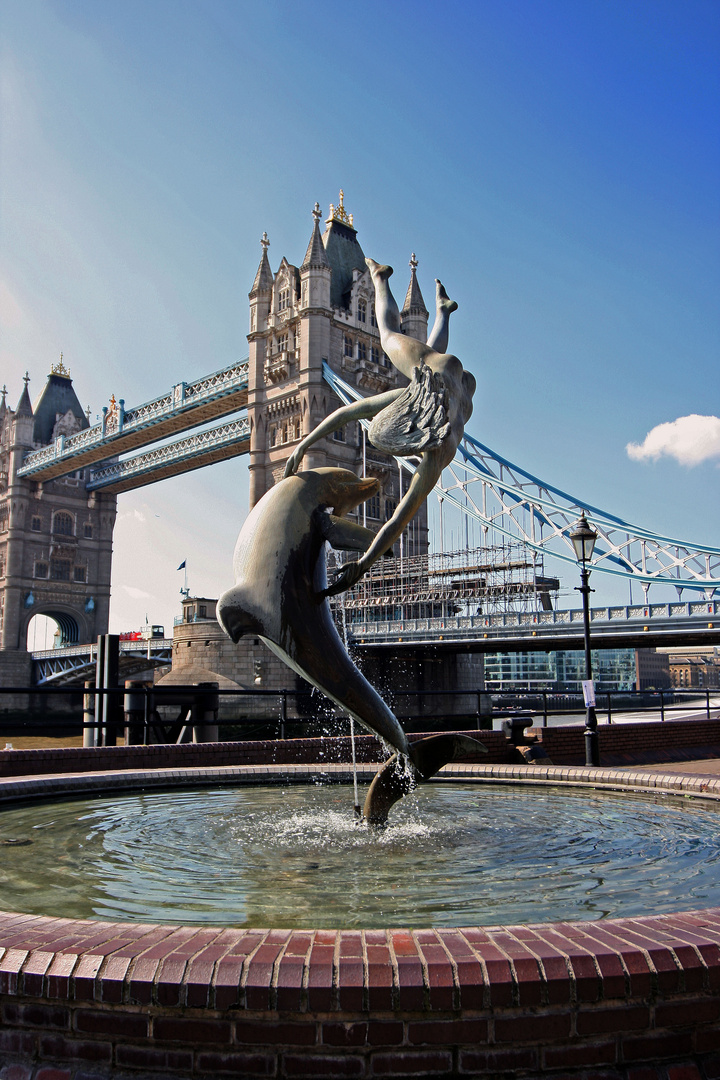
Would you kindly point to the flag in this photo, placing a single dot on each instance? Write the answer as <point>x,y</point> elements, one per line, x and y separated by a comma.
<point>182,565</point>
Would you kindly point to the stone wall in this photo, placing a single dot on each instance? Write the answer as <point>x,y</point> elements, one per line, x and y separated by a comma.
<point>15,670</point>
<point>414,686</point>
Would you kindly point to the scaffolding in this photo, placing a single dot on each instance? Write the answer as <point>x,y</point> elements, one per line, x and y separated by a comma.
<point>501,578</point>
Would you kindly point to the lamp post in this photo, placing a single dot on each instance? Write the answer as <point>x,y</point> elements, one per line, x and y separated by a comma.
<point>583,541</point>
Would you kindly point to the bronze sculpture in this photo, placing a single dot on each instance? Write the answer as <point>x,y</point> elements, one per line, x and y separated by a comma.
<point>280,592</point>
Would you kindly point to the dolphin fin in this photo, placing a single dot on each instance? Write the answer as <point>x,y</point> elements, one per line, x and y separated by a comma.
<point>427,756</point>
<point>343,534</point>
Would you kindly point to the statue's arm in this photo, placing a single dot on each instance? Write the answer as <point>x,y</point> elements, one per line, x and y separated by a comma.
<point>422,483</point>
<point>358,410</point>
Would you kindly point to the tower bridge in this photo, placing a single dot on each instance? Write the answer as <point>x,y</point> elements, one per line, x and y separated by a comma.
<point>184,406</point>
<point>313,345</point>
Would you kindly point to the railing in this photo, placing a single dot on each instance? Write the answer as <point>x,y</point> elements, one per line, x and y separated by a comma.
<point>244,713</point>
<point>182,450</point>
<point>182,397</point>
<point>368,630</point>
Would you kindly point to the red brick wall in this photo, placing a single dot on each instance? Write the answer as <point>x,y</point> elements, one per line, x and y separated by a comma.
<point>260,752</point>
<point>564,746</point>
<point>635,998</point>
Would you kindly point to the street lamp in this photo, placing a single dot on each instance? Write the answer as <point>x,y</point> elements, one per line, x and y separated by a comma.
<point>583,540</point>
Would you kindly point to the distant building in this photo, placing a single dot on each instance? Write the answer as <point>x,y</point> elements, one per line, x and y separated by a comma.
<point>652,670</point>
<point>55,537</point>
<point>563,671</point>
<point>695,668</point>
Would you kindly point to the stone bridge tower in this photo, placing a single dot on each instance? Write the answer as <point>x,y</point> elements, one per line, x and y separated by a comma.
<point>55,537</point>
<point>323,310</point>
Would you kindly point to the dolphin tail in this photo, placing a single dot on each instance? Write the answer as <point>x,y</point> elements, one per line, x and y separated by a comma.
<point>397,778</point>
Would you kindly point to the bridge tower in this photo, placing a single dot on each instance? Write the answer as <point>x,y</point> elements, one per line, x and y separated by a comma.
<point>300,317</point>
<point>55,537</point>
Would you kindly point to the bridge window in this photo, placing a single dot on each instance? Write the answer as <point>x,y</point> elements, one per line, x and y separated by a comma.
<point>339,435</point>
<point>373,319</point>
<point>375,354</point>
<point>80,573</point>
<point>362,350</point>
<point>296,430</point>
<point>284,299</point>
<point>282,343</point>
<point>385,360</point>
<point>362,310</point>
<point>87,530</point>
<point>63,524</point>
<point>347,345</point>
<point>390,508</point>
<point>373,507</point>
<point>36,524</point>
<point>2,566</point>
<point>41,569</point>
<point>59,570</point>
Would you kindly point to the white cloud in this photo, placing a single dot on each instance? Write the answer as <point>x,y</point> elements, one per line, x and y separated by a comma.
<point>689,439</point>
<point>136,594</point>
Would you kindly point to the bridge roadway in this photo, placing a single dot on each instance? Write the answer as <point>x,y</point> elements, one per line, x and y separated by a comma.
<point>640,627</point>
<point>72,664</point>
<point>185,406</point>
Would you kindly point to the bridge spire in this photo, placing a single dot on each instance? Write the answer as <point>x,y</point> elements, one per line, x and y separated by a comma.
<point>24,406</point>
<point>414,314</point>
<point>263,279</point>
<point>316,256</point>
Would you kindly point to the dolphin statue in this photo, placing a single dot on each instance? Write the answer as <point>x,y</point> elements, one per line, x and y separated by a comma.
<point>280,596</point>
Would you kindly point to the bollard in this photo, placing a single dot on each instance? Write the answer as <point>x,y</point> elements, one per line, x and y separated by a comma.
<point>134,709</point>
<point>204,713</point>
<point>89,733</point>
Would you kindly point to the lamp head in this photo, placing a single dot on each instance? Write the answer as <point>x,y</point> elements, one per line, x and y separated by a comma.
<point>583,540</point>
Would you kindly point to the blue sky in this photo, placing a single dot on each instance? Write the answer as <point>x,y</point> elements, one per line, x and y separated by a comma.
<point>555,162</point>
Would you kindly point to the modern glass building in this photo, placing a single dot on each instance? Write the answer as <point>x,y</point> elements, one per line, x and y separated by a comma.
<point>613,669</point>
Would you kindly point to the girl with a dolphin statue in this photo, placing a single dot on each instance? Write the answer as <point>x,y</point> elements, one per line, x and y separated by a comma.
<point>281,589</point>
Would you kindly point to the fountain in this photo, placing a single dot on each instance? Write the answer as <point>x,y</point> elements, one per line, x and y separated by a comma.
<point>368,993</point>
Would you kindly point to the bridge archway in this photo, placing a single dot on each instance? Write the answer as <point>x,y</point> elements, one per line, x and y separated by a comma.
<point>50,627</point>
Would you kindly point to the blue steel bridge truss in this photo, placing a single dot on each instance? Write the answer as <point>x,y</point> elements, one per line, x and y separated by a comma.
<point>510,501</point>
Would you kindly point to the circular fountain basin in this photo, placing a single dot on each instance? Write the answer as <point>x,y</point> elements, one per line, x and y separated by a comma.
<point>207,1000</point>
<point>452,855</point>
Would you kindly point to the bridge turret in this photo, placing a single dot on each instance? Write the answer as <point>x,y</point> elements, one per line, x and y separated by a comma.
<point>55,542</point>
<point>315,272</point>
<point>414,314</point>
<point>260,297</point>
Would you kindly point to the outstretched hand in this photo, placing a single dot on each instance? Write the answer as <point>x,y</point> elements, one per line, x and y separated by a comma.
<point>348,576</point>
<point>293,462</point>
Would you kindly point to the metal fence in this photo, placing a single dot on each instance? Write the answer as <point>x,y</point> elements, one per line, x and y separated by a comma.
<point>142,713</point>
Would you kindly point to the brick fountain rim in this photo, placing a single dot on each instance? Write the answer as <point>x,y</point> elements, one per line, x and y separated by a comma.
<point>473,999</point>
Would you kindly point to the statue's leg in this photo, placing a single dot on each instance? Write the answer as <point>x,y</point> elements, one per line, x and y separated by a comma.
<point>387,312</point>
<point>404,352</point>
<point>444,307</point>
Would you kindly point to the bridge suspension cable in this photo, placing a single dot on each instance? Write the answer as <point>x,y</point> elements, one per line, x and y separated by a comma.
<point>507,499</point>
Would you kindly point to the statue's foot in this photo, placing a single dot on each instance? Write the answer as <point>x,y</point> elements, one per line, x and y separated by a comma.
<point>442,300</point>
<point>379,271</point>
